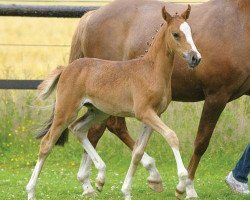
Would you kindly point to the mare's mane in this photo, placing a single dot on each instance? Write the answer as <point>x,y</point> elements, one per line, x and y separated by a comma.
<point>243,3</point>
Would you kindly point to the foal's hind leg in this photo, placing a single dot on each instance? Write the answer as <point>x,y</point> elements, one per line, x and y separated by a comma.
<point>83,174</point>
<point>60,122</point>
<point>136,157</point>
<point>80,127</point>
<point>117,125</point>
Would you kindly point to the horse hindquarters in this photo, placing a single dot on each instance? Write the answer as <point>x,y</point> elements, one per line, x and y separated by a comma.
<point>62,118</point>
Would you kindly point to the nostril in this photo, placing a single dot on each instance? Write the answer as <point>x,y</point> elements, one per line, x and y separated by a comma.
<point>194,58</point>
<point>198,61</point>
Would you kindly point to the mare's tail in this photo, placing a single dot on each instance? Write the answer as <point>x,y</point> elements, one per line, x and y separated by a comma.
<point>45,89</point>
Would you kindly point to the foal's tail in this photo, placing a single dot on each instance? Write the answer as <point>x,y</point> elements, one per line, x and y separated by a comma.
<point>49,84</point>
<point>45,89</point>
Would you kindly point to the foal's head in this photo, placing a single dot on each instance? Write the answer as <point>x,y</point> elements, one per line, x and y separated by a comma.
<point>179,37</point>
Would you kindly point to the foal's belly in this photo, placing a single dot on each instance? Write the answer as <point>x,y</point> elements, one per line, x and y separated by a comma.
<point>111,107</point>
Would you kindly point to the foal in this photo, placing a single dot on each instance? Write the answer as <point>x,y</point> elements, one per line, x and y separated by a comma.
<point>99,85</point>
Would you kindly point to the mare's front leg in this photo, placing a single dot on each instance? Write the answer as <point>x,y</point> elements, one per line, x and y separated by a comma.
<point>117,125</point>
<point>213,106</point>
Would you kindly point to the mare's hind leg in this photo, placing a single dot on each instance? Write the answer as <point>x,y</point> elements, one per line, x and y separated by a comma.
<point>60,122</point>
<point>80,128</point>
<point>117,125</point>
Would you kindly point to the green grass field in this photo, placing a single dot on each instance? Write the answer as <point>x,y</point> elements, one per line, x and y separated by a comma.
<point>22,115</point>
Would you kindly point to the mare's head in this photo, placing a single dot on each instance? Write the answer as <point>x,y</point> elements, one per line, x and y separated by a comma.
<point>179,37</point>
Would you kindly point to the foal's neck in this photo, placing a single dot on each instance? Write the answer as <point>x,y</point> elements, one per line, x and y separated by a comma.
<point>160,55</point>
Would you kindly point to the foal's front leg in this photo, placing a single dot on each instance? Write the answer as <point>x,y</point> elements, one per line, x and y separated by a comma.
<point>156,123</point>
<point>117,125</point>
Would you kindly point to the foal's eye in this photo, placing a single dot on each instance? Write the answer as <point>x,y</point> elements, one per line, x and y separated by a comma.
<point>176,35</point>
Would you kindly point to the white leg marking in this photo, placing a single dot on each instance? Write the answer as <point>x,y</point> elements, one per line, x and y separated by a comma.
<point>84,174</point>
<point>182,172</point>
<point>31,186</point>
<point>99,164</point>
<point>180,166</point>
<point>136,157</point>
<point>149,163</point>
<point>191,193</point>
<point>185,28</point>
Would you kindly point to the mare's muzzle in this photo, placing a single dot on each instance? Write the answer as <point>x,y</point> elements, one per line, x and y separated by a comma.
<point>193,59</point>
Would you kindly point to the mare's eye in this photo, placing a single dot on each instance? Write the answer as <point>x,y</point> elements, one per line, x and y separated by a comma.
<point>176,36</point>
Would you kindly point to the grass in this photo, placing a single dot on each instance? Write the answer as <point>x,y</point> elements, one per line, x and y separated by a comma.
<point>18,151</point>
<point>22,114</point>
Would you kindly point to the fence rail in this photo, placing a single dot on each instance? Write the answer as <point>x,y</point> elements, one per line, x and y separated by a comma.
<point>19,84</point>
<point>44,11</point>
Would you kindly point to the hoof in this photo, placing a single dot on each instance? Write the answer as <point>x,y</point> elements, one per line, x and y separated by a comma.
<point>179,194</point>
<point>99,185</point>
<point>31,197</point>
<point>192,198</point>
<point>156,186</point>
<point>192,195</point>
<point>90,193</point>
<point>127,197</point>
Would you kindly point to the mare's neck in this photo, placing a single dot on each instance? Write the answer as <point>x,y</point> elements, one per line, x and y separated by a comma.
<point>160,54</point>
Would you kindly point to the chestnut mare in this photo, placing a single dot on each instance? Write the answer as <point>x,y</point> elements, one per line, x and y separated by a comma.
<point>221,31</point>
<point>139,88</point>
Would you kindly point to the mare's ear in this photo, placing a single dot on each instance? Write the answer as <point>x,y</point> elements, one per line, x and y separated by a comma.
<point>186,14</point>
<point>166,16</point>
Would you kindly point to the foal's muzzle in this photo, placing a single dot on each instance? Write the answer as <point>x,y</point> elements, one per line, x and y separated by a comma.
<point>193,59</point>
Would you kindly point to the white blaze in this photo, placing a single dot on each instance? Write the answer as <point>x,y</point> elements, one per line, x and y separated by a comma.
<point>185,28</point>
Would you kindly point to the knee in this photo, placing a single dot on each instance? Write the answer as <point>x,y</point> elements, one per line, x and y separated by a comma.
<point>201,147</point>
<point>172,139</point>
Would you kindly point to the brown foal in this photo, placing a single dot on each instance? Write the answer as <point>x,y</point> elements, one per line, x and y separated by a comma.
<point>223,76</point>
<point>139,88</point>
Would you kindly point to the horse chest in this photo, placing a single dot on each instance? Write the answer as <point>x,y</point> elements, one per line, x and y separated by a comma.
<point>162,99</point>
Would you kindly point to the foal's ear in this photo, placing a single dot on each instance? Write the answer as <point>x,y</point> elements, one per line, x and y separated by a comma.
<point>166,16</point>
<point>186,14</point>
